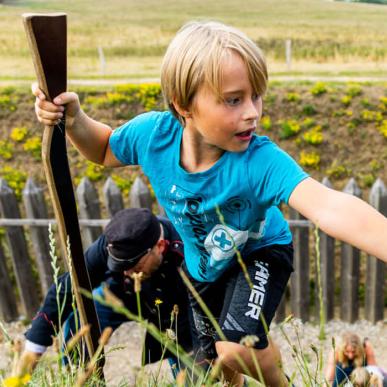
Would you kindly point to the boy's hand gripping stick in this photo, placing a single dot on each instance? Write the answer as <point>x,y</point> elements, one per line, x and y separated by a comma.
<point>46,35</point>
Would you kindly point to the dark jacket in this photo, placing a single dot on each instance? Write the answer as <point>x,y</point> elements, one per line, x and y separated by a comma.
<point>165,284</point>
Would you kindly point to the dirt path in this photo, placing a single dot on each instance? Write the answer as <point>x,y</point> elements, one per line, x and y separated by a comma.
<point>124,354</point>
<point>280,78</point>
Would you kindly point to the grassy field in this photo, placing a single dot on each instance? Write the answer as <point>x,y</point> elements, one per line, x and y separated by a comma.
<point>327,37</point>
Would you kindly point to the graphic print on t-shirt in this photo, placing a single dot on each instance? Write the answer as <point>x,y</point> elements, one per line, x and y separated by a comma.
<point>216,246</point>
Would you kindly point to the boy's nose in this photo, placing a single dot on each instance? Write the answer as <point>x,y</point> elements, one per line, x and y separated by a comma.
<point>252,111</point>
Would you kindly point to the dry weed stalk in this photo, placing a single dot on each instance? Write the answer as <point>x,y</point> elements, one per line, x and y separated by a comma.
<point>83,376</point>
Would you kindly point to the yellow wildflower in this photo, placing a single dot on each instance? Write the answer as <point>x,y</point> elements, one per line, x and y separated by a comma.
<point>17,381</point>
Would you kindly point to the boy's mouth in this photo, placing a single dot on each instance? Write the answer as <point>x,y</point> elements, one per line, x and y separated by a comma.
<point>246,135</point>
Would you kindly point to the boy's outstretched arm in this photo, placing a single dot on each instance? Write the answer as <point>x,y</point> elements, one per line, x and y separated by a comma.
<point>342,216</point>
<point>90,137</point>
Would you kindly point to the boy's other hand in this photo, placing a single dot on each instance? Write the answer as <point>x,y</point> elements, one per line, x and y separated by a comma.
<point>51,113</point>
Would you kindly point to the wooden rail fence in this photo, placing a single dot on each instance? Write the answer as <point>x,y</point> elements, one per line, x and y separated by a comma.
<point>26,248</point>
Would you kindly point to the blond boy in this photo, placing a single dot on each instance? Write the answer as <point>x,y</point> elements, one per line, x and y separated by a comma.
<point>203,159</point>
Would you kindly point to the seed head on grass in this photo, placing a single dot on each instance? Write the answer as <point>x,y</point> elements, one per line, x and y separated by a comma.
<point>55,344</point>
<point>137,278</point>
<point>77,337</point>
<point>83,376</point>
<point>170,333</point>
<point>111,298</point>
<point>249,341</point>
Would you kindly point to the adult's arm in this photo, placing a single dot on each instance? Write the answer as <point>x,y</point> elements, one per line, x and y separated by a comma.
<point>330,368</point>
<point>369,352</point>
<point>46,322</point>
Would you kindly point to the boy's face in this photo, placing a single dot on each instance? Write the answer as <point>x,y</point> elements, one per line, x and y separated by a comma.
<point>227,124</point>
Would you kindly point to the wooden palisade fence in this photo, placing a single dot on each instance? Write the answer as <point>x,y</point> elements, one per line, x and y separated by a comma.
<point>34,228</point>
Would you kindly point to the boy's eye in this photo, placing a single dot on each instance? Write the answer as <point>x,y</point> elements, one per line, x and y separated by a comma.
<point>233,101</point>
<point>255,97</point>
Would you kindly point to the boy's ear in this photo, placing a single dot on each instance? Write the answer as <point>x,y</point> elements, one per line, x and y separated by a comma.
<point>183,112</point>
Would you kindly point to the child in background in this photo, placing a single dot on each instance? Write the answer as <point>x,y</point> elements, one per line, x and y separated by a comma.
<point>203,158</point>
<point>352,360</point>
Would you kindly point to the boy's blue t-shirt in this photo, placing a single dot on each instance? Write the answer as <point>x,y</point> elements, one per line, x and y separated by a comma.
<point>232,205</point>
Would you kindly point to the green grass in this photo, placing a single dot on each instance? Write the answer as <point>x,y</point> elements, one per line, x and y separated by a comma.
<point>135,34</point>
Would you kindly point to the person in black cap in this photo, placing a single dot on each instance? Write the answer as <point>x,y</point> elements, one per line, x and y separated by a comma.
<point>133,241</point>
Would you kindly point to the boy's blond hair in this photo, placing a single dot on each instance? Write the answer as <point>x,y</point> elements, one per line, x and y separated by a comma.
<point>360,377</point>
<point>194,58</point>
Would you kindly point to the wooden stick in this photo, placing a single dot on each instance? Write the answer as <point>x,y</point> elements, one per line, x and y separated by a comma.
<point>46,35</point>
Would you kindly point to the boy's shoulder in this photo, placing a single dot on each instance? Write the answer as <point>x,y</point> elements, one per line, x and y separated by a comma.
<point>262,143</point>
<point>158,119</point>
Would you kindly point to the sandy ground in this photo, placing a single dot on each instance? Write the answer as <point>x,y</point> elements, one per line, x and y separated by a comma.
<point>124,354</point>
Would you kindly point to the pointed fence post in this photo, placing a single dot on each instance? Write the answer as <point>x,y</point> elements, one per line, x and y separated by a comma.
<point>299,283</point>
<point>89,208</point>
<point>140,195</point>
<point>20,259</point>
<point>8,310</point>
<point>350,270</point>
<point>113,197</point>
<point>374,302</point>
<point>327,259</point>
<point>36,208</point>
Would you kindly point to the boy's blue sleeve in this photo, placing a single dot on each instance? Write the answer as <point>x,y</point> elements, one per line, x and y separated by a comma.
<point>130,141</point>
<point>273,174</point>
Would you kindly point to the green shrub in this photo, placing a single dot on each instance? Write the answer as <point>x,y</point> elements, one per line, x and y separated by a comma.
<point>8,103</point>
<point>337,171</point>
<point>353,90</point>
<point>289,128</point>
<point>370,115</point>
<point>310,159</point>
<point>365,103</point>
<point>353,124</point>
<point>376,165</point>
<point>18,134</point>
<point>107,100</point>
<point>383,128</point>
<point>6,150</point>
<point>346,100</point>
<point>94,171</point>
<point>319,88</point>
<point>266,123</point>
<point>16,179</point>
<point>314,136</point>
<point>147,94</point>
<point>383,100</point>
<point>293,97</point>
<point>368,180</point>
<point>269,99</point>
<point>8,90</point>
<point>309,110</point>
<point>124,184</point>
<point>34,146</point>
<point>308,122</point>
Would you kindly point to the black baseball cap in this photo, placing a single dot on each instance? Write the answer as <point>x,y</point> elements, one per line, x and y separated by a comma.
<point>130,235</point>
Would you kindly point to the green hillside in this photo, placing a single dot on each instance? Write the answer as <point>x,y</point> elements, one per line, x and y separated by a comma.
<point>334,130</point>
<point>327,37</point>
